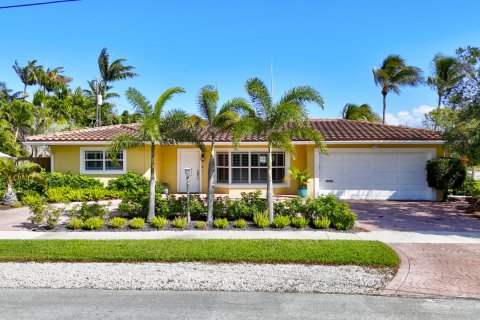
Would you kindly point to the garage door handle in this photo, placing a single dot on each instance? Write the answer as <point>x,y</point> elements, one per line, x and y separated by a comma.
<point>330,181</point>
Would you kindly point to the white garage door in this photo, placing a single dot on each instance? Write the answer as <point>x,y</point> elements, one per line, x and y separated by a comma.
<point>375,174</point>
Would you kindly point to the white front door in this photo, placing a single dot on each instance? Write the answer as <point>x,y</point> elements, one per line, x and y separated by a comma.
<point>190,158</point>
<point>376,174</point>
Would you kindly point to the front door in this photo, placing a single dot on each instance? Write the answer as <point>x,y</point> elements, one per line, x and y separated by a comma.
<point>190,158</point>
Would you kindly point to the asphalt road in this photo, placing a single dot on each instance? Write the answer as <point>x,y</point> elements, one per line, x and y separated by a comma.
<point>109,304</point>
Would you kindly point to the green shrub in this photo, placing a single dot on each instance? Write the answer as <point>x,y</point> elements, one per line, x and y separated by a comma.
<point>58,180</point>
<point>261,219</point>
<point>254,202</point>
<point>300,222</point>
<point>468,188</point>
<point>179,222</point>
<point>28,199</point>
<point>200,225</point>
<point>56,195</point>
<point>92,210</point>
<point>446,174</point>
<point>136,223</point>
<point>158,222</point>
<point>93,223</point>
<point>129,182</point>
<point>240,223</point>
<point>117,223</point>
<point>281,221</point>
<point>131,209</point>
<point>290,207</point>
<point>75,224</point>
<point>343,216</point>
<point>220,223</point>
<point>321,223</point>
<point>42,214</point>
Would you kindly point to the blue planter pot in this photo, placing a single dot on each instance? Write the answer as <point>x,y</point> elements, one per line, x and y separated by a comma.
<point>302,192</point>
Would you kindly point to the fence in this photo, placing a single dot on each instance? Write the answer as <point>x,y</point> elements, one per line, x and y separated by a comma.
<point>43,162</point>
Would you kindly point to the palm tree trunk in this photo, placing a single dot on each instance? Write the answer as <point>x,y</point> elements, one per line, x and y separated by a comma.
<point>437,115</point>
<point>151,199</point>
<point>211,182</point>
<point>269,185</point>
<point>24,91</point>
<point>384,107</point>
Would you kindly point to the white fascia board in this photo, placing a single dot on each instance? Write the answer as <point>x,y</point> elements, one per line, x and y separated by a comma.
<point>248,143</point>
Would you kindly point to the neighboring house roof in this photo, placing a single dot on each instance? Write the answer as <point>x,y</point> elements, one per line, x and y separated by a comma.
<point>331,129</point>
<point>4,155</point>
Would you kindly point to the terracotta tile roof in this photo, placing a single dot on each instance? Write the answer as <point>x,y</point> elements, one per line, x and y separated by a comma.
<point>332,130</point>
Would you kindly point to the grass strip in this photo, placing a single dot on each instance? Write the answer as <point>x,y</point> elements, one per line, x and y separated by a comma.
<point>331,252</point>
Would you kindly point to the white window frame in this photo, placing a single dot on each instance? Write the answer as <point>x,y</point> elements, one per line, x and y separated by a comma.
<point>104,150</point>
<point>236,185</point>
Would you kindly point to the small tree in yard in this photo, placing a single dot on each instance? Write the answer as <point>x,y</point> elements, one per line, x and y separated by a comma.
<point>11,172</point>
<point>216,122</point>
<point>278,123</point>
<point>445,174</point>
<point>155,128</point>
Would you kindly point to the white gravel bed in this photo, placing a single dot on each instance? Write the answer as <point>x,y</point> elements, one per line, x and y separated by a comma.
<point>195,276</point>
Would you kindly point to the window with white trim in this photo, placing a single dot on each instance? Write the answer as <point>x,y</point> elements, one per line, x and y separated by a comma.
<point>249,167</point>
<point>97,161</point>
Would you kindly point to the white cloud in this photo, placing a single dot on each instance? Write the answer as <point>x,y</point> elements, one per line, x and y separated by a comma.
<point>412,118</point>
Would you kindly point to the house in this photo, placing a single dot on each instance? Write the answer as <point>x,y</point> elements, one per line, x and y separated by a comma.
<point>364,161</point>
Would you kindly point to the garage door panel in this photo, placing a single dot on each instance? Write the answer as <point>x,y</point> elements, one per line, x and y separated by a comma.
<point>375,174</point>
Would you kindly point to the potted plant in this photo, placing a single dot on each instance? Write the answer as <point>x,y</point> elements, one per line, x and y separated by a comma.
<point>301,177</point>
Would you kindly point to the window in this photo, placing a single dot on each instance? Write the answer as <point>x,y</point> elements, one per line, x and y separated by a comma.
<point>249,167</point>
<point>95,160</point>
<point>222,168</point>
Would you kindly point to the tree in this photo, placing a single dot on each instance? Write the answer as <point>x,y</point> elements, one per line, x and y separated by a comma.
<point>394,74</point>
<point>445,174</point>
<point>156,127</point>
<point>19,114</point>
<point>52,80</point>
<point>6,94</point>
<point>361,112</point>
<point>110,72</point>
<point>278,123</point>
<point>216,122</point>
<point>446,74</point>
<point>11,172</point>
<point>27,74</point>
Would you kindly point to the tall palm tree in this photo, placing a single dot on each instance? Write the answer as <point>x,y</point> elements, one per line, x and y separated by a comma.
<point>112,72</point>
<point>156,127</point>
<point>364,112</point>
<point>11,172</point>
<point>215,122</point>
<point>19,114</point>
<point>27,74</point>
<point>278,123</point>
<point>7,94</point>
<point>394,74</point>
<point>446,74</point>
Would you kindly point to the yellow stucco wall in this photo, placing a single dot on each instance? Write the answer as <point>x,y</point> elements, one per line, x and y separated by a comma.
<point>67,159</point>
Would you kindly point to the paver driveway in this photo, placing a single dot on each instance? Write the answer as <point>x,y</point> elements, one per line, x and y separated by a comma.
<point>427,269</point>
<point>413,216</point>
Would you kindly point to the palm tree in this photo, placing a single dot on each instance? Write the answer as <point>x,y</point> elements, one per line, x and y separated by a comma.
<point>7,94</point>
<point>215,122</point>
<point>446,74</point>
<point>155,128</point>
<point>11,172</point>
<point>394,74</point>
<point>19,114</point>
<point>27,74</point>
<point>52,80</point>
<point>362,112</point>
<point>278,123</point>
<point>112,72</point>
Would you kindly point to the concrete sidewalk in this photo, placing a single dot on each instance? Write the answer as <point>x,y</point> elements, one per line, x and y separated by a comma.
<point>384,236</point>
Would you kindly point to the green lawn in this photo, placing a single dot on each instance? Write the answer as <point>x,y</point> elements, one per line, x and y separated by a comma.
<point>334,252</point>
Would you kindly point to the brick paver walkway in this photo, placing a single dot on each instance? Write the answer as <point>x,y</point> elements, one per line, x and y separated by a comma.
<point>437,270</point>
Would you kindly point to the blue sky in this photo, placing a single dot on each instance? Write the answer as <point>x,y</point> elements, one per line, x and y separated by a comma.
<point>330,45</point>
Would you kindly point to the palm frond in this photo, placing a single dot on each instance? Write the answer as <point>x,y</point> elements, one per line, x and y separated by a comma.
<point>123,142</point>
<point>260,96</point>
<point>139,102</point>
<point>239,106</point>
<point>306,132</point>
<point>282,141</point>
<point>302,95</point>
<point>246,127</point>
<point>207,100</point>
<point>164,98</point>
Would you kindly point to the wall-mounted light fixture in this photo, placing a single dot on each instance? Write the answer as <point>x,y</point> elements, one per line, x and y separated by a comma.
<point>203,157</point>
